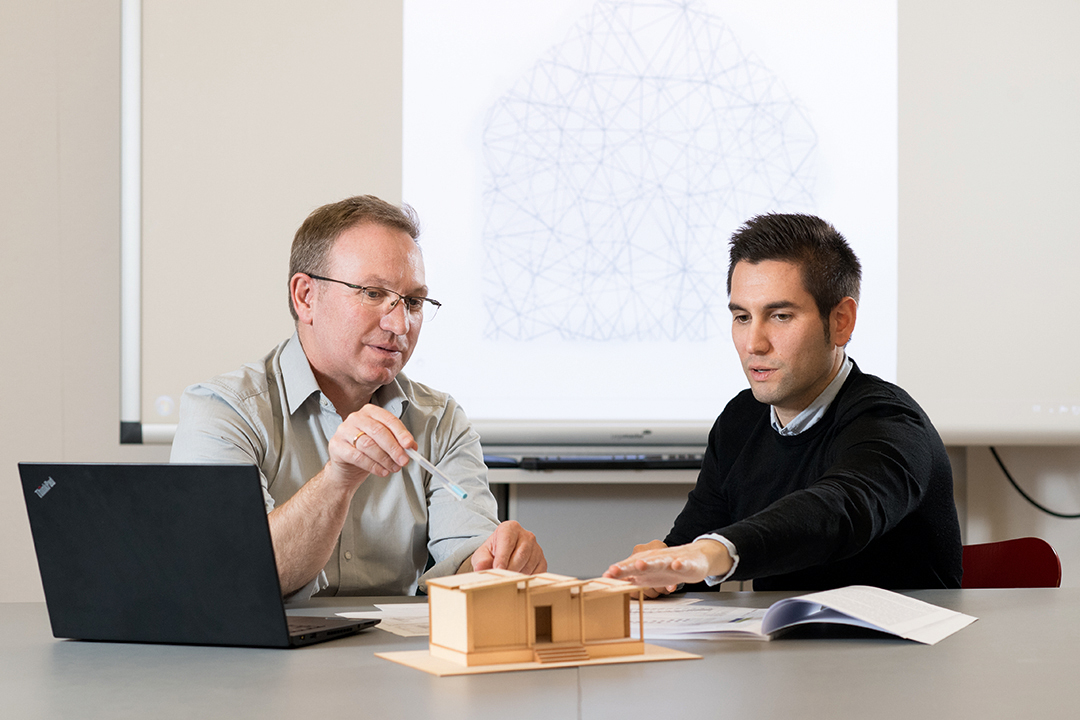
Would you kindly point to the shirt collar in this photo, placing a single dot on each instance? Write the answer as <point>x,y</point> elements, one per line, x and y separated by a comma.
<point>815,410</point>
<point>300,382</point>
<point>391,397</point>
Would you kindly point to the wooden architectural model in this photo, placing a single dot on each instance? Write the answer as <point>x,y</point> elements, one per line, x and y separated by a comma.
<point>498,616</point>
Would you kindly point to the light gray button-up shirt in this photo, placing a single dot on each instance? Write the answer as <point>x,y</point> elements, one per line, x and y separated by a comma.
<point>273,414</point>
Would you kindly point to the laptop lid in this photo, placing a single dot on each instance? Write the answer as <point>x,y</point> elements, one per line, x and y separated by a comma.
<point>161,553</point>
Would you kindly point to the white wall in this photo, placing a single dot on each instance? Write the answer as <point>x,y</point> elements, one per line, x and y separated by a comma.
<point>988,181</point>
<point>1050,475</point>
<point>59,252</point>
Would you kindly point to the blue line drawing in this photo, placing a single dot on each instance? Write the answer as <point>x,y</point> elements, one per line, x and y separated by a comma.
<point>616,167</point>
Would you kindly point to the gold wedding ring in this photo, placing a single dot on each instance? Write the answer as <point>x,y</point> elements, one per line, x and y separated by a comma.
<point>358,436</point>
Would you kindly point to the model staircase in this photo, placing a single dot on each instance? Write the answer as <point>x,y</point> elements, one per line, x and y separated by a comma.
<point>560,653</point>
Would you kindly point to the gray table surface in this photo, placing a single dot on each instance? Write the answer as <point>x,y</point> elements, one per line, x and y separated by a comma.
<point>1020,660</point>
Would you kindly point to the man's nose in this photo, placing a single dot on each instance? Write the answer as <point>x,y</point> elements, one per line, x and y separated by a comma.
<point>397,320</point>
<point>757,340</point>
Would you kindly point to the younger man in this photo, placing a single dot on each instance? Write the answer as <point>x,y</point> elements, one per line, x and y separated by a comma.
<point>819,475</point>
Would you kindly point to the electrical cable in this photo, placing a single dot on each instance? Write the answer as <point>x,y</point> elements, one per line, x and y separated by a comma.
<point>1023,494</point>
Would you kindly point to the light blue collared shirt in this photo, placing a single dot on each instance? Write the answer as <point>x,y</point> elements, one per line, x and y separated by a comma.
<point>272,413</point>
<point>815,410</point>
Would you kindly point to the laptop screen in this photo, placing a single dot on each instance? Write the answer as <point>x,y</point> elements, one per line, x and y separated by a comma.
<point>155,553</point>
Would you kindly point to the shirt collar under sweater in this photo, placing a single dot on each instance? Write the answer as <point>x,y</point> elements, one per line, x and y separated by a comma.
<point>815,410</point>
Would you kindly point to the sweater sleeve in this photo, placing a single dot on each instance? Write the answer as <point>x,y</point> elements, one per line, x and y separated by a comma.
<point>877,467</point>
<point>707,506</point>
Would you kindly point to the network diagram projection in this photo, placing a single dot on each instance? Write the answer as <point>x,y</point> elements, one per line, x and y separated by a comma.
<point>578,169</point>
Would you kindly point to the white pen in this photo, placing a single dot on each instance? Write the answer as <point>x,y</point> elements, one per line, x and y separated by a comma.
<point>461,494</point>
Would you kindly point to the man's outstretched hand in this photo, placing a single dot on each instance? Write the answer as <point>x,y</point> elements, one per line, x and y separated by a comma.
<point>661,569</point>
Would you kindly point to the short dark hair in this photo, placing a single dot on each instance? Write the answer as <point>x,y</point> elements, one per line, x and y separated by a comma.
<point>316,236</point>
<point>830,271</point>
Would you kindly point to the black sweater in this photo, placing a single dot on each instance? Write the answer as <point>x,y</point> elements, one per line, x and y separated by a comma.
<point>864,497</point>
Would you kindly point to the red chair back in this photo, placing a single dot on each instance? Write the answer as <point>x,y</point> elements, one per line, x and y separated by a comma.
<point>1020,562</point>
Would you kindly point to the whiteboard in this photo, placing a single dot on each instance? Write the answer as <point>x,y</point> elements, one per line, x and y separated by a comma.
<point>989,177</point>
<point>251,119</point>
<point>579,168</point>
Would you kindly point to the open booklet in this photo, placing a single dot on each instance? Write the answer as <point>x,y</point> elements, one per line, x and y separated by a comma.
<point>857,605</point>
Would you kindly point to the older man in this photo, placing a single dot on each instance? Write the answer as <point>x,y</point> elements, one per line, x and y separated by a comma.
<point>328,415</point>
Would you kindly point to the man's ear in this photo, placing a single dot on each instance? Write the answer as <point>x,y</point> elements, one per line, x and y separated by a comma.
<point>842,321</point>
<point>302,292</point>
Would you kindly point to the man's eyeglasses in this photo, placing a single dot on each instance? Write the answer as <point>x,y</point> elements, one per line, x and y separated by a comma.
<point>418,308</point>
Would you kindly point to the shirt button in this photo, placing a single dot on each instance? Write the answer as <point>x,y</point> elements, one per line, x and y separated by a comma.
<point>348,555</point>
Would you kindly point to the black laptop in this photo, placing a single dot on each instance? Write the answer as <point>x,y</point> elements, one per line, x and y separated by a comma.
<point>162,554</point>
